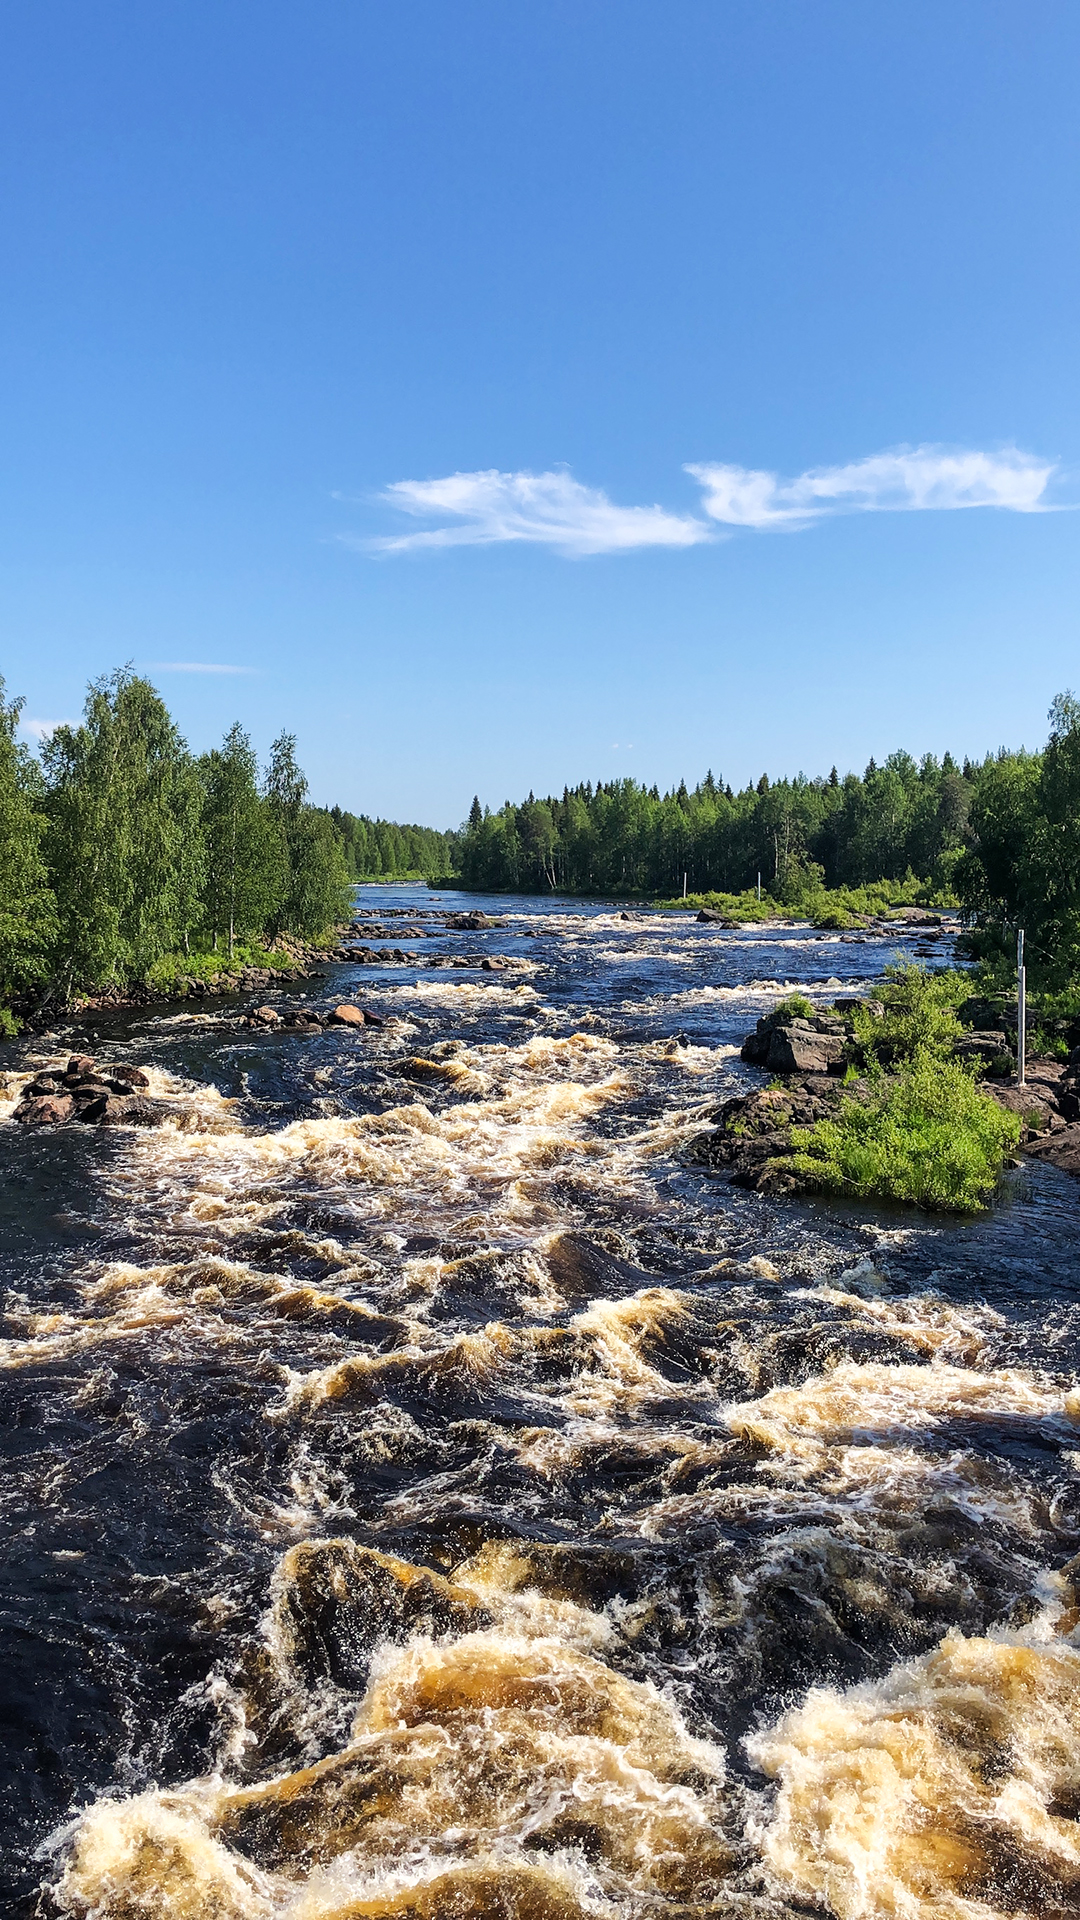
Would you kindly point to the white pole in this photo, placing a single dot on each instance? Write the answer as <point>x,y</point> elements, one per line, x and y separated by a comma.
<point>684,886</point>
<point>1021,1010</point>
<point>759,886</point>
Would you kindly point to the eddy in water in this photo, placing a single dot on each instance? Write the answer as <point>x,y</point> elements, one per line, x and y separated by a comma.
<point>429,1497</point>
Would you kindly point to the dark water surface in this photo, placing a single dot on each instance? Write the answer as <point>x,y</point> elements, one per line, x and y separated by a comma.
<point>423,1496</point>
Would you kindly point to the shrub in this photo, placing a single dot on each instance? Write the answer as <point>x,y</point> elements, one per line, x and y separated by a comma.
<point>920,1014</point>
<point>795,1007</point>
<point>927,1136</point>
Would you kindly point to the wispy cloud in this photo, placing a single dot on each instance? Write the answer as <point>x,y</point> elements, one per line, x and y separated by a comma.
<point>905,480</point>
<point>546,509</point>
<point>41,729</point>
<point>191,666</point>
<point>554,510</point>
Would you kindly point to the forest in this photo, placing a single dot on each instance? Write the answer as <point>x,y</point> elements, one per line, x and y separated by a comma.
<point>120,848</point>
<point>386,850</point>
<point>1000,836</point>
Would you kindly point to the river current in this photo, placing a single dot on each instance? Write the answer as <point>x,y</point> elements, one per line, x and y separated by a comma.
<point>424,1495</point>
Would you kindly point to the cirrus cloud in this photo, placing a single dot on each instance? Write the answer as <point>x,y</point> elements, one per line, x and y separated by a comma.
<point>545,509</point>
<point>554,510</point>
<point>905,480</point>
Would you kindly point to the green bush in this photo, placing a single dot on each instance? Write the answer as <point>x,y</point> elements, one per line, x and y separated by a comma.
<point>9,1025</point>
<point>166,974</point>
<point>920,1014</point>
<point>928,1136</point>
<point>795,1007</point>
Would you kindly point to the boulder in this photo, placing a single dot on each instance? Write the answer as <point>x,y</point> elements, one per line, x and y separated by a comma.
<point>1061,1149</point>
<point>92,1106</point>
<point>799,1048</point>
<point>132,1110</point>
<point>708,917</point>
<point>80,1064</point>
<point>44,1083</point>
<point>46,1110</point>
<point>986,1047</point>
<point>346,1016</point>
<point>129,1076</point>
<point>266,1016</point>
<point>472,922</point>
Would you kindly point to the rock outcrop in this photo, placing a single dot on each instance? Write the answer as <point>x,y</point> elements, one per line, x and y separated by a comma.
<point>112,1095</point>
<point>786,1043</point>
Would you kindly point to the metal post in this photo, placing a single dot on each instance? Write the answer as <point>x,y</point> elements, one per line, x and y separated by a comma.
<point>759,886</point>
<point>1021,1009</point>
<point>684,886</point>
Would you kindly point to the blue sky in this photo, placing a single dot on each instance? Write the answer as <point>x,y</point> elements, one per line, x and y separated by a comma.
<point>274,274</point>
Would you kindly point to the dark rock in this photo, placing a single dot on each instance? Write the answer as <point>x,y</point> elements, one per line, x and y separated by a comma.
<point>798,1048</point>
<point>1061,1149</point>
<point>131,1076</point>
<point>80,1064</point>
<point>47,1110</point>
<point>44,1083</point>
<point>988,1047</point>
<point>92,1108</point>
<point>133,1110</point>
<point>472,922</point>
<point>265,1016</point>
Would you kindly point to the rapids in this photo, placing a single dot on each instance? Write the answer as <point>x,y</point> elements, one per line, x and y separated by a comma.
<point>424,1495</point>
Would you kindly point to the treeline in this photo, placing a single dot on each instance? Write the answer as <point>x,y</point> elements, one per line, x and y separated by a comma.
<point>1021,867</point>
<point>1001,835</point>
<point>905,817</point>
<point>119,847</point>
<point>386,850</point>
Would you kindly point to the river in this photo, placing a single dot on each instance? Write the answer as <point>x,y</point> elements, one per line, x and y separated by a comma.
<point>426,1496</point>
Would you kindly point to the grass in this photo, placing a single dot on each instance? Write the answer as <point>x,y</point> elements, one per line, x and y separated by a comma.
<point>167,973</point>
<point>829,908</point>
<point>927,1136</point>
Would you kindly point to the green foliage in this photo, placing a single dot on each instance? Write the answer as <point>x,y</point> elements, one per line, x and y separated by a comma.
<point>167,973</point>
<point>919,1014</point>
<point>927,1136</point>
<point>311,874</point>
<point>795,1007</point>
<point>27,903</point>
<point>1022,864</point>
<point>385,850</point>
<point>805,838</point>
<point>122,858</point>
<point>124,802</point>
<point>9,1024</point>
<point>244,855</point>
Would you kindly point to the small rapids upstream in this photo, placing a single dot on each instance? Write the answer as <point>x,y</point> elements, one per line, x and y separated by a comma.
<point>426,1496</point>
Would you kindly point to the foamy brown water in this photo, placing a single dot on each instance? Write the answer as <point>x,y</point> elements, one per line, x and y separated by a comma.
<point>427,1497</point>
